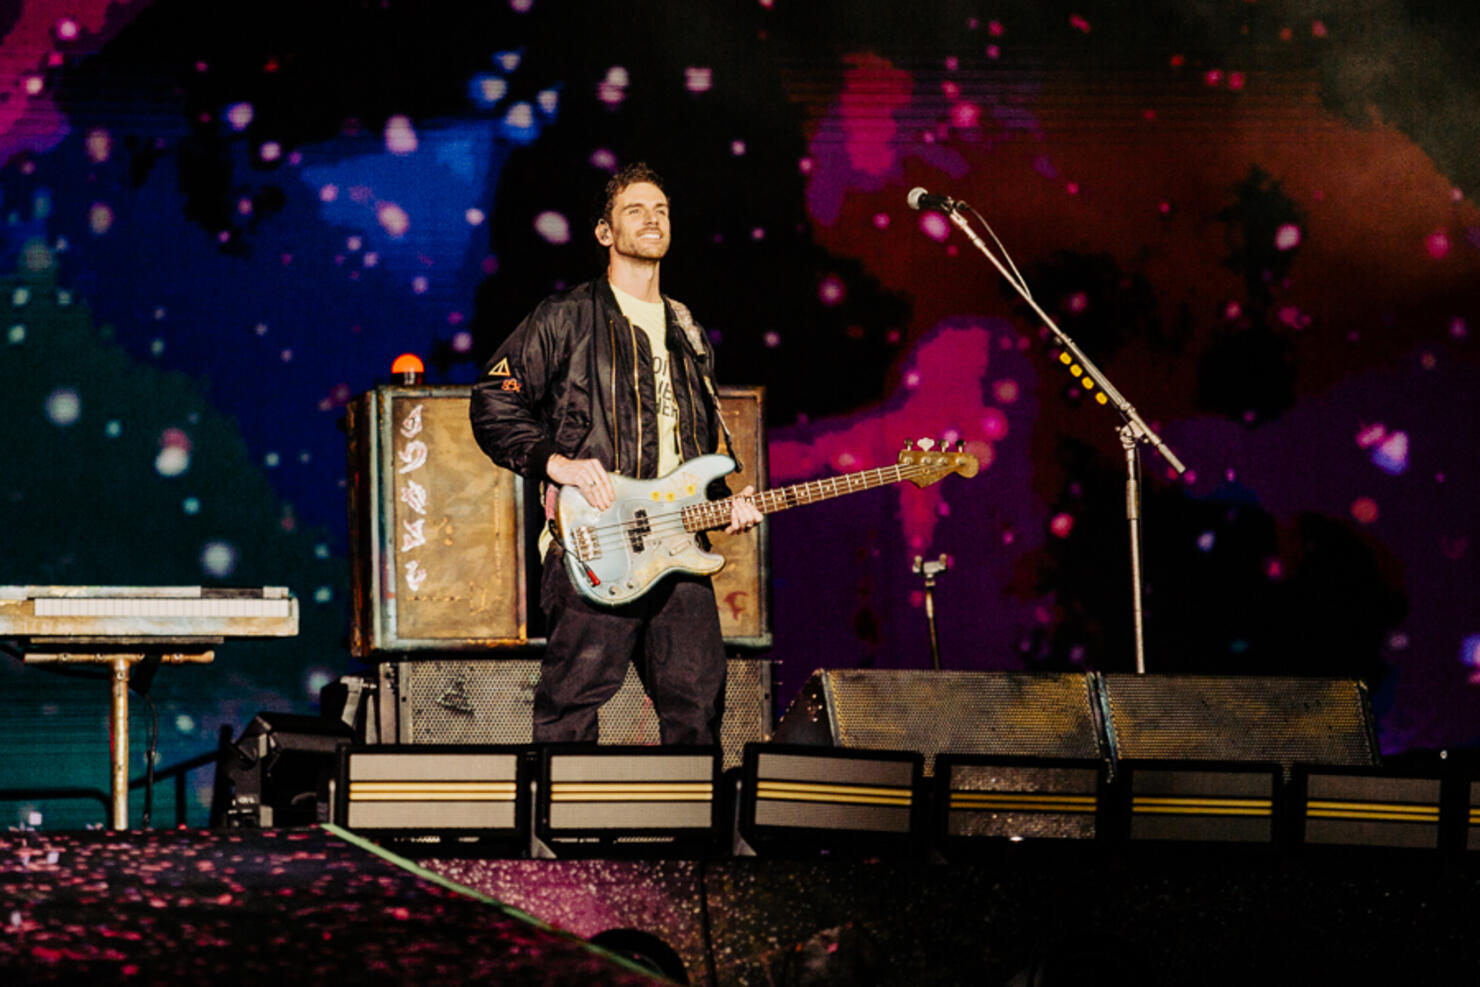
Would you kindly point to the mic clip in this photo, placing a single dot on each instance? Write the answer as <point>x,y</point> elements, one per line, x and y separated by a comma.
<point>918,199</point>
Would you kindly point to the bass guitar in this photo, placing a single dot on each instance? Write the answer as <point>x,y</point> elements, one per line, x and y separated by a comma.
<point>616,555</point>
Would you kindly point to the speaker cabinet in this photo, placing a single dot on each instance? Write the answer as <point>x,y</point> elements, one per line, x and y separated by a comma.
<point>1287,721</point>
<point>743,587</point>
<point>442,541</point>
<point>491,701</point>
<point>1251,719</point>
<point>990,713</point>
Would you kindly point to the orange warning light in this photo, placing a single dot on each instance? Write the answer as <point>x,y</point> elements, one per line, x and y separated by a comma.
<point>407,363</point>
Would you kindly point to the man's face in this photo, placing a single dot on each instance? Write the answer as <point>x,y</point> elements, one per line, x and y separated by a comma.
<point>639,223</point>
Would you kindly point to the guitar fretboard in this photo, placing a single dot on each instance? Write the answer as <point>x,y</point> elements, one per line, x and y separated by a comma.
<point>716,513</point>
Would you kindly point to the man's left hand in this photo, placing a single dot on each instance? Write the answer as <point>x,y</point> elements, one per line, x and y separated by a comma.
<point>743,512</point>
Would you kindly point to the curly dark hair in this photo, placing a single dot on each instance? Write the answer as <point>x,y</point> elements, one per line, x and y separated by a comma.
<point>630,174</point>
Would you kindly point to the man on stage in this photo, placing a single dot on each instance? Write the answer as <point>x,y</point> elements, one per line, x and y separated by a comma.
<point>614,377</point>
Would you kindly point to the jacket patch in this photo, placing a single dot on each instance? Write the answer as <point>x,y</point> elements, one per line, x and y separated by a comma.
<point>511,384</point>
<point>690,328</point>
<point>501,369</point>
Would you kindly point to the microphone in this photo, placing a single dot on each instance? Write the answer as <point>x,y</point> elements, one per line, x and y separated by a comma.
<point>921,199</point>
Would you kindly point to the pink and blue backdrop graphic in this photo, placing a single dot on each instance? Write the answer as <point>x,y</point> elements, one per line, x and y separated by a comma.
<point>220,222</point>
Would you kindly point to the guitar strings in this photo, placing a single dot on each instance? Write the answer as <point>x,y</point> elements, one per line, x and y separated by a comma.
<point>719,508</point>
<point>660,524</point>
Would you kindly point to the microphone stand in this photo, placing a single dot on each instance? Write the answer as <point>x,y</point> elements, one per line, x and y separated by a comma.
<point>1133,431</point>
<point>930,570</point>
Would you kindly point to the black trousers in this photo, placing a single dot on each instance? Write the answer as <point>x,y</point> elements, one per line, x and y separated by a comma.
<point>672,632</point>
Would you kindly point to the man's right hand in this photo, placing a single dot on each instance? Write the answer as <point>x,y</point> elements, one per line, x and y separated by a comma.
<point>587,475</point>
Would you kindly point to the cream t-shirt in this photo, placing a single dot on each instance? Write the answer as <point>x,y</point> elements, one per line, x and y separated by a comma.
<point>652,319</point>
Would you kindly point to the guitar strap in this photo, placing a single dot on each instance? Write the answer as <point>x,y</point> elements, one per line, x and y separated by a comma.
<point>729,442</point>
<point>696,342</point>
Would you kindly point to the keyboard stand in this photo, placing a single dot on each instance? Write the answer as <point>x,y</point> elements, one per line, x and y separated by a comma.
<point>123,662</point>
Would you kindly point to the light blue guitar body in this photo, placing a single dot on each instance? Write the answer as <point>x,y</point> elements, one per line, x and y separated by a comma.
<point>615,556</point>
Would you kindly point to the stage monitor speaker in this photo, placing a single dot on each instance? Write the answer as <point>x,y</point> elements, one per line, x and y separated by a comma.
<point>1202,801</point>
<point>985,800</point>
<point>1287,721</point>
<point>803,798</point>
<point>442,542</point>
<point>1354,807</point>
<point>592,799</point>
<point>492,702</point>
<point>1472,816</point>
<point>280,772</point>
<point>933,712</point>
<point>435,797</point>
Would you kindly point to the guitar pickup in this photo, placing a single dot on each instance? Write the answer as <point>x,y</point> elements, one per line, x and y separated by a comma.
<point>637,529</point>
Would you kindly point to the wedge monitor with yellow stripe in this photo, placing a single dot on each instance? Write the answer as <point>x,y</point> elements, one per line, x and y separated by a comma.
<point>802,795</point>
<point>1018,798</point>
<point>1369,808</point>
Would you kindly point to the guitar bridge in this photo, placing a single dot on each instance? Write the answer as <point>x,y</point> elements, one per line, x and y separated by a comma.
<point>587,548</point>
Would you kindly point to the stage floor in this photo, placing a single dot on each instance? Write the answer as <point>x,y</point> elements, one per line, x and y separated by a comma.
<point>260,907</point>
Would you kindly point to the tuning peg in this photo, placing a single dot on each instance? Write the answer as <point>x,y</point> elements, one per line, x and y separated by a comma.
<point>960,445</point>
<point>926,444</point>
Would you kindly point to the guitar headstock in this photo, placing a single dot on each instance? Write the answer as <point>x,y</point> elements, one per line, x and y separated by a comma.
<point>931,464</point>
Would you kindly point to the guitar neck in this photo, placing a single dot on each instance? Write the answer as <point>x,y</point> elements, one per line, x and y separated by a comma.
<point>716,513</point>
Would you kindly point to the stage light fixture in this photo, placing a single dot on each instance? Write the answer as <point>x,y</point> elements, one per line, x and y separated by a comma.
<point>1369,807</point>
<point>797,798</point>
<point>279,772</point>
<point>983,801</point>
<point>630,799</point>
<point>1201,801</point>
<point>448,797</point>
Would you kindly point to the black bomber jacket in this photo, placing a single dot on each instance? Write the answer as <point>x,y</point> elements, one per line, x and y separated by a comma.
<point>576,378</point>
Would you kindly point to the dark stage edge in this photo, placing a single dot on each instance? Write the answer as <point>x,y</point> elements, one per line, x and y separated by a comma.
<point>1179,915</point>
<point>261,907</point>
<point>270,907</point>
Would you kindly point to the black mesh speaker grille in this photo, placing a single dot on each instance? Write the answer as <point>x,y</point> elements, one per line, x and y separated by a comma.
<point>995,713</point>
<point>491,702</point>
<point>1240,718</point>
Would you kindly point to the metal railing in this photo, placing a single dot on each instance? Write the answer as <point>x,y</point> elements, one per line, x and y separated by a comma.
<point>176,773</point>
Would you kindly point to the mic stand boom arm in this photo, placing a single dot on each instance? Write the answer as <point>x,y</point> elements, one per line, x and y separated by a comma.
<point>1133,431</point>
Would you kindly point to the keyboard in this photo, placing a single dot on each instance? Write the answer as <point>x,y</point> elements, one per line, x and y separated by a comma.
<point>141,614</point>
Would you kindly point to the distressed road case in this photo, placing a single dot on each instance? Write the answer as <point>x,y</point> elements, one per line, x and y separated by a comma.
<point>442,541</point>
